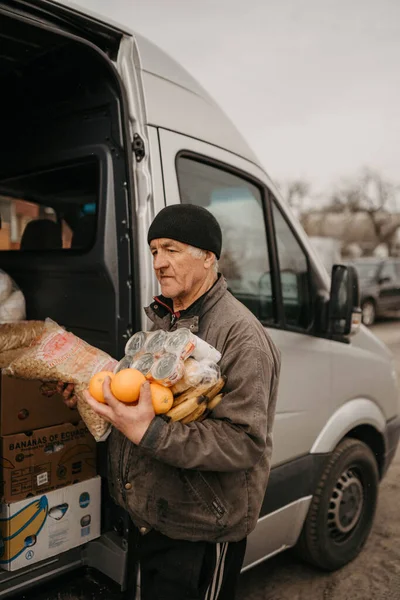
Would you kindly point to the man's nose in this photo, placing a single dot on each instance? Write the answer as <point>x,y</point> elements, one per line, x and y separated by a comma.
<point>160,261</point>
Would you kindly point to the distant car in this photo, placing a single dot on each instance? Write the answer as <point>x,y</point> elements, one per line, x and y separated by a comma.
<point>379,280</point>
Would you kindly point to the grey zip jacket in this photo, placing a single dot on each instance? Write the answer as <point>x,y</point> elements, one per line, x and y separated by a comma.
<point>206,480</point>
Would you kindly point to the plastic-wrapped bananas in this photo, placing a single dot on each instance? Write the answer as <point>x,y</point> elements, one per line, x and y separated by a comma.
<point>196,403</point>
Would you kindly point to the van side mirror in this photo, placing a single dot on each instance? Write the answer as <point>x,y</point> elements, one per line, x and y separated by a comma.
<point>344,312</point>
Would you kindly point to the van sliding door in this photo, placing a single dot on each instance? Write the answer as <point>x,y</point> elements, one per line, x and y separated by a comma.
<point>268,271</point>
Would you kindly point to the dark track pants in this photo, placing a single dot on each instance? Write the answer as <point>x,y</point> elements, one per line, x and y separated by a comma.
<point>182,570</point>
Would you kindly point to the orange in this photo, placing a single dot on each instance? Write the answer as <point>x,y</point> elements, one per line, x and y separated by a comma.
<point>96,385</point>
<point>162,398</point>
<point>126,385</point>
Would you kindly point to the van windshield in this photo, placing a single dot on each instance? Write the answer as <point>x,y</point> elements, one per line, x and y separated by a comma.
<point>52,209</point>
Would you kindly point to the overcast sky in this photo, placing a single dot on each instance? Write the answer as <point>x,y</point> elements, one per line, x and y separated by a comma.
<point>313,85</point>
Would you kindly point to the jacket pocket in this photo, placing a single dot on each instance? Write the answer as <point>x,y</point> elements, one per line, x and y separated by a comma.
<point>205,489</point>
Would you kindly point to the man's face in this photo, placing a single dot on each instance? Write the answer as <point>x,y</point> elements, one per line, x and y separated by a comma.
<point>177,270</point>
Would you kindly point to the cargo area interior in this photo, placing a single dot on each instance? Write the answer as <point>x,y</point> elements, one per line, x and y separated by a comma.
<point>64,192</point>
<point>63,183</point>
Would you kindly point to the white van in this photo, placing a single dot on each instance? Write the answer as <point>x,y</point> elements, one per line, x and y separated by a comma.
<point>99,131</point>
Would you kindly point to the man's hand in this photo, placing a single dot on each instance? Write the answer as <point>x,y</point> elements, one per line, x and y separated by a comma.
<point>67,392</point>
<point>131,420</point>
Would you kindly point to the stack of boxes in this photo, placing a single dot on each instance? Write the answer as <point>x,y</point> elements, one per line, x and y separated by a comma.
<point>49,491</point>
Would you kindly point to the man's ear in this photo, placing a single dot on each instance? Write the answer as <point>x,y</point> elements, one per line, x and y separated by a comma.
<point>209,259</point>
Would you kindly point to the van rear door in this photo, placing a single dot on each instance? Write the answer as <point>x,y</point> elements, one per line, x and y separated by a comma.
<point>69,111</point>
<point>103,35</point>
<point>50,23</point>
<point>115,42</point>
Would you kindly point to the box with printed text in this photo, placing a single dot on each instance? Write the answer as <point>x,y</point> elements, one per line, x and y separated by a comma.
<point>23,407</point>
<point>43,526</point>
<point>45,459</point>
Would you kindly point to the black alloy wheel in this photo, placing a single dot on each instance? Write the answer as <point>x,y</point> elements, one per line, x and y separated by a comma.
<point>342,509</point>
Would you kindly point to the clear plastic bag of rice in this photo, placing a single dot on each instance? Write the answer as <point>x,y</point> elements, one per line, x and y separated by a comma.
<point>58,355</point>
<point>12,300</point>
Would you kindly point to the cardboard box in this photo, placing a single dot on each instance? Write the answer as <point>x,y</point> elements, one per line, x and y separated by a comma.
<point>41,527</point>
<point>45,459</point>
<point>23,407</point>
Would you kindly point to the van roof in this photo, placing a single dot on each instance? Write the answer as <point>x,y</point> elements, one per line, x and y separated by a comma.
<point>174,100</point>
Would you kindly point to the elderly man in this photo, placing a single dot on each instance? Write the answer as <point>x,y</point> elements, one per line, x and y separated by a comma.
<point>194,491</point>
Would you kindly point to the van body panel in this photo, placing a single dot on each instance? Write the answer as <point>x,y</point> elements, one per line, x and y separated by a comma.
<point>364,371</point>
<point>299,394</point>
<point>360,411</point>
<point>292,481</point>
<point>146,212</point>
<point>368,341</point>
<point>183,99</point>
<point>158,63</point>
<point>392,435</point>
<point>172,143</point>
<point>178,110</point>
<point>276,532</point>
<point>128,67</point>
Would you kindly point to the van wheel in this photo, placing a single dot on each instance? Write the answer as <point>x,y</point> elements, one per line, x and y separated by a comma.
<point>342,509</point>
<point>368,313</point>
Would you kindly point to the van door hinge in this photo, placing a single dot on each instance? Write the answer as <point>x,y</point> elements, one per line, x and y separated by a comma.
<point>138,147</point>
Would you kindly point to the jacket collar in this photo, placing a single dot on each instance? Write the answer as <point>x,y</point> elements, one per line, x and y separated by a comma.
<point>161,312</point>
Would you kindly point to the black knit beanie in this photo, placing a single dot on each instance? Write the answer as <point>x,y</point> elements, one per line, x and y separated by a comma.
<point>190,224</point>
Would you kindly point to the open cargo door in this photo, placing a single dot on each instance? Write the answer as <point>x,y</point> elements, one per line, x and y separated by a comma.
<point>69,20</point>
<point>69,110</point>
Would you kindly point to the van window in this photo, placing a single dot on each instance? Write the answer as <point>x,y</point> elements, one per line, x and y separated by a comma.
<point>51,209</point>
<point>294,274</point>
<point>237,204</point>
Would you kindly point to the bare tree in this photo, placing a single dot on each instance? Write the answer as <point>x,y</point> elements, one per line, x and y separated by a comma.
<point>295,192</point>
<point>368,192</point>
<point>359,210</point>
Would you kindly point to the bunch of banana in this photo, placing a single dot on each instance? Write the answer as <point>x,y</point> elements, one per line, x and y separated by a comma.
<point>22,529</point>
<point>196,403</point>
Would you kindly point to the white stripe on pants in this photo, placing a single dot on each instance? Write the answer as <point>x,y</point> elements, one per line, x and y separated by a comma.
<point>216,582</point>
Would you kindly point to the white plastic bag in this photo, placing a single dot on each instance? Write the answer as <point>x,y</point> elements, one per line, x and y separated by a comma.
<point>12,300</point>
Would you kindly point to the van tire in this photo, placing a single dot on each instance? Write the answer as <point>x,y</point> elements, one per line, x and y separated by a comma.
<point>332,537</point>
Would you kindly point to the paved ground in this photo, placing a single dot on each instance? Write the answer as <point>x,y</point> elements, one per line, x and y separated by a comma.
<point>374,575</point>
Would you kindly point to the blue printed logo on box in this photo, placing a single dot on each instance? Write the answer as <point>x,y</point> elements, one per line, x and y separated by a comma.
<point>84,500</point>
